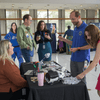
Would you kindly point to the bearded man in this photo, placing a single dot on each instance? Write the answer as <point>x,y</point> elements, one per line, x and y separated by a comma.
<point>80,49</point>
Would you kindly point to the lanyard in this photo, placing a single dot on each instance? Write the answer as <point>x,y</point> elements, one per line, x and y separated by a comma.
<point>42,35</point>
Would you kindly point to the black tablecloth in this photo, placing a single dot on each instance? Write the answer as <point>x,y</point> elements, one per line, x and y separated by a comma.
<point>56,91</point>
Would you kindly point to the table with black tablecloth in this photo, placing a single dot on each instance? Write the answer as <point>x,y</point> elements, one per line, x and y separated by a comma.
<point>57,91</point>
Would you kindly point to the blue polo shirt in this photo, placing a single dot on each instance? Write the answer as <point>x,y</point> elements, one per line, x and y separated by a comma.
<point>69,32</point>
<point>79,41</point>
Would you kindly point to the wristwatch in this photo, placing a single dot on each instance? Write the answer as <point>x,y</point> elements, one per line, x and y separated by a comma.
<point>78,49</point>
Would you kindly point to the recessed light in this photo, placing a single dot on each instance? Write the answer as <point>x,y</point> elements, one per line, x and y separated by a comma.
<point>80,5</point>
<point>12,5</point>
<point>96,5</point>
<point>89,7</point>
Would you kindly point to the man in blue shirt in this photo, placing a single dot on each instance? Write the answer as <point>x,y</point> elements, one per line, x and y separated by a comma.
<point>69,32</point>
<point>80,49</point>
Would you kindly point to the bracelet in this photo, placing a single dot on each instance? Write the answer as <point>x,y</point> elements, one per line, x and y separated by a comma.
<point>78,49</point>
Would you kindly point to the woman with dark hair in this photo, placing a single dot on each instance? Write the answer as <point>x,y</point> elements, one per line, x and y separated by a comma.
<point>43,38</point>
<point>92,36</point>
<point>12,37</point>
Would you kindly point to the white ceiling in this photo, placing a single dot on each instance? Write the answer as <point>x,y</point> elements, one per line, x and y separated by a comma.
<point>50,4</point>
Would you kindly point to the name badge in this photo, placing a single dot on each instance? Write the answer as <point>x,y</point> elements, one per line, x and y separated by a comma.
<point>43,46</point>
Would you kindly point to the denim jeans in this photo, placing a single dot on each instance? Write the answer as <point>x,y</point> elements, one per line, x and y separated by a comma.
<point>27,54</point>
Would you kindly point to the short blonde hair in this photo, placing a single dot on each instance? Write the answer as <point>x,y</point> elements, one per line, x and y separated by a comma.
<point>4,46</point>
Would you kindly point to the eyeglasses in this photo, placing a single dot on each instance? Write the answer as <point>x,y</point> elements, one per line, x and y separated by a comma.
<point>29,20</point>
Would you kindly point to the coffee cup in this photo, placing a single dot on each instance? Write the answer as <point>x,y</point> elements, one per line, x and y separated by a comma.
<point>39,36</point>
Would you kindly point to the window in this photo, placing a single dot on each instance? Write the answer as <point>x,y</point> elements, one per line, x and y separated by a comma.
<point>42,14</point>
<point>23,12</point>
<point>10,14</point>
<point>96,15</point>
<point>83,14</point>
<point>54,14</point>
<point>68,22</point>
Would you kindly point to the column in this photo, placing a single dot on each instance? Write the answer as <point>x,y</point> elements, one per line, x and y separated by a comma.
<point>99,15</point>
<point>83,14</point>
<point>47,15</point>
<point>19,22</point>
<point>3,27</point>
<point>61,23</point>
<point>90,14</point>
<point>33,13</point>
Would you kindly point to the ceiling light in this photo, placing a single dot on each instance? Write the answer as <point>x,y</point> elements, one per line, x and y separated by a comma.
<point>96,5</point>
<point>89,7</point>
<point>80,5</point>
<point>12,5</point>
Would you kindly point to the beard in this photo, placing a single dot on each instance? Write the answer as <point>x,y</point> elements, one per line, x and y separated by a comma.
<point>76,23</point>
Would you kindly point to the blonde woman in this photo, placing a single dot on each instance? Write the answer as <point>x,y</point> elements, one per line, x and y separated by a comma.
<point>11,82</point>
<point>92,36</point>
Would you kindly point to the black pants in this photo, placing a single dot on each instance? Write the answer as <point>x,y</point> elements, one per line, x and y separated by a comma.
<point>64,46</point>
<point>5,96</point>
<point>14,95</point>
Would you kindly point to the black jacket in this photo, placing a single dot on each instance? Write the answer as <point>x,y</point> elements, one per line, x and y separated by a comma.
<point>37,33</point>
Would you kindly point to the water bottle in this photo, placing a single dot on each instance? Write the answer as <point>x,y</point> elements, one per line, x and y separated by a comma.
<point>39,65</point>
